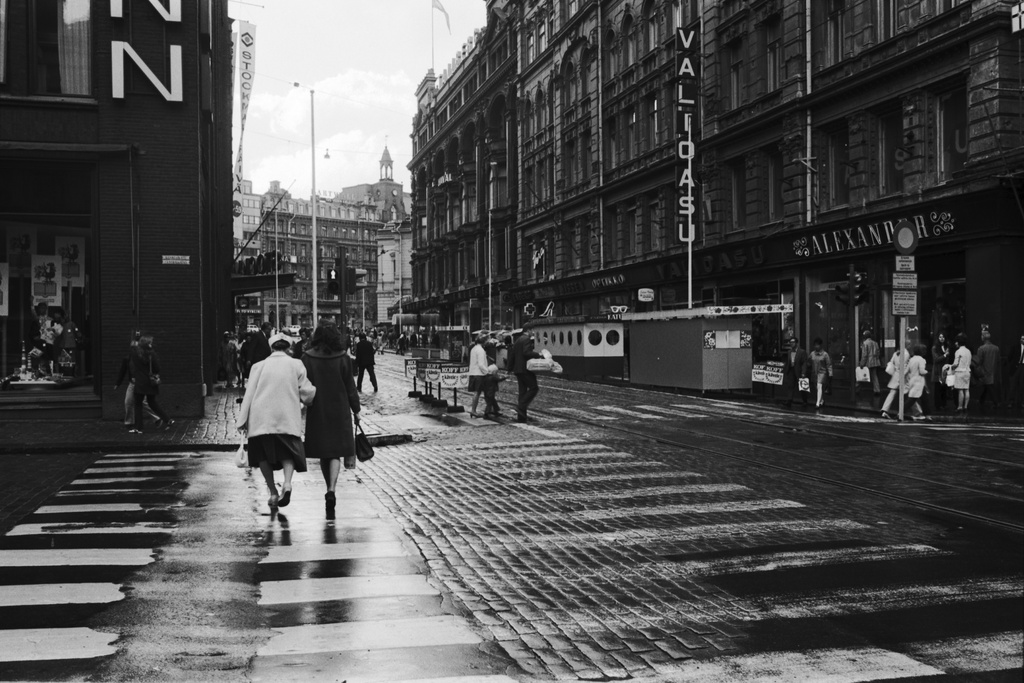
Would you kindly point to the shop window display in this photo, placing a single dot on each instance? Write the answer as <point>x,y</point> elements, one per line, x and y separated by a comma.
<point>45,259</point>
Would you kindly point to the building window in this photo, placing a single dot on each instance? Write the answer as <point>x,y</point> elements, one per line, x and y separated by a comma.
<point>651,22</point>
<point>629,35</point>
<point>773,54</point>
<point>4,22</point>
<point>835,169</point>
<point>611,134</point>
<point>776,167</point>
<point>951,129</point>
<point>738,194</point>
<point>890,153</point>
<point>629,232</point>
<point>63,47</point>
<point>571,163</point>
<point>885,19</point>
<point>585,157</point>
<point>631,133</point>
<point>835,31</point>
<point>528,119</point>
<point>652,229</point>
<point>736,75</point>
<point>609,55</point>
<point>542,41</point>
<point>653,122</point>
<point>585,245</point>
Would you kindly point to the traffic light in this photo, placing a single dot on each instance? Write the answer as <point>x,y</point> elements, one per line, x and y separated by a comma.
<point>350,280</point>
<point>333,286</point>
<point>843,294</point>
<point>860,288</point>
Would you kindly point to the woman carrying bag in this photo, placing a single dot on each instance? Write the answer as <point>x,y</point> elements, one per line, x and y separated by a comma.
<point>329,419</point>
<point>144,366</point>
<point>271,412</point>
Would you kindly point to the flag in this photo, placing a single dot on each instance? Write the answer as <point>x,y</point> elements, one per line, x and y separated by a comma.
<point>438,5</point>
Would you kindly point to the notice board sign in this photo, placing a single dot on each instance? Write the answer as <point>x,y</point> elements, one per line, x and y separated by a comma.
<point>768,373</point>
<point>904,302</point>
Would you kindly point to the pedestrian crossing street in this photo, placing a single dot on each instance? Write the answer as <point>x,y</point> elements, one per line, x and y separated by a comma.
<point>585,561</point>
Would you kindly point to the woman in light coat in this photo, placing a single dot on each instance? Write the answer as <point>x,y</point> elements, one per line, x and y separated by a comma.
<point>271,413</point>
<point>477,371</point>
<point>917,373</point>
<point>962,373</point>
<point>329,435</point>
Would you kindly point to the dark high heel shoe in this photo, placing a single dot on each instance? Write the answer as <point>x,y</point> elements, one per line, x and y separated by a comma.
<point>330,500</point>
<point>286,497</point>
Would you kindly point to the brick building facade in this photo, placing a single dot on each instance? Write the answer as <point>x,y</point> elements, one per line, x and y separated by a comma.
<point>820,126</point>
<point>115,178</point>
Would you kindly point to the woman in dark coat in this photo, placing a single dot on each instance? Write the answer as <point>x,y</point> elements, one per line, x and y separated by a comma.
<point>329,434</point>
<point>143,365</point>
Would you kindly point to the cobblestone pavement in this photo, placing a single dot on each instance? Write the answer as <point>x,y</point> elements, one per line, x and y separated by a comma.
<point>598,556</point>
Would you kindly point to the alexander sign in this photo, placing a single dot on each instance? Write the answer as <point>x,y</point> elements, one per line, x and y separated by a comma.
<point>687,89</point>
<point>878,234</point>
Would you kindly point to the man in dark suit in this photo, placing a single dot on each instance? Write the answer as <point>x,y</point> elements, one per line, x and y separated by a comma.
<point>259,346</point>
<point>365,355</point>
<point>795,367</point>
<point>522,351</point>
<point>1015,364</point>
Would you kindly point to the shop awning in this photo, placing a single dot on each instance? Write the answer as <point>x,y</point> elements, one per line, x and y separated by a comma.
<point>251,284</point>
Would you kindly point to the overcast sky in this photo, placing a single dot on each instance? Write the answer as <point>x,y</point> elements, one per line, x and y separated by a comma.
<point>364,59</point>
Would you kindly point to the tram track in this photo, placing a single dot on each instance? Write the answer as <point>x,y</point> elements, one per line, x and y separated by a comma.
<point>804,474</point>
<point>835,430</point>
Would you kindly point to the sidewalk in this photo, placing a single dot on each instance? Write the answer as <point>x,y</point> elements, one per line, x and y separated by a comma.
<point>214,431</point>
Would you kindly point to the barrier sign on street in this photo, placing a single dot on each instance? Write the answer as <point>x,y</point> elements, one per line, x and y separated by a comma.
<point>905,264</point>
<point>410,367</point>
<point>768,373</point>
<point>904,280</point>
<point>904,302</point>
<point>454,376</point>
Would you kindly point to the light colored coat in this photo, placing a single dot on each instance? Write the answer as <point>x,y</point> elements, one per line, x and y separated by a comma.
<point>477,360</point>
<point>274,395</point>
<point>917,370</point>
<point>894,379</point>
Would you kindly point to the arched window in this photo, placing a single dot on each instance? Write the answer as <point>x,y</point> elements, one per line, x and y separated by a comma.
<point>584,78</point>
<point>540,110</point>
<point>527,119</point>
<point>629,35</point>
<point>651,23</point>
<point>570,87</point>
<point>609,55</point>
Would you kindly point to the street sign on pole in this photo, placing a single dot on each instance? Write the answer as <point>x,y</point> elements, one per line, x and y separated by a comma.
<point>905,237</point>
<point>905,264</point>
<point>904,281</point>
<point>904,302</point>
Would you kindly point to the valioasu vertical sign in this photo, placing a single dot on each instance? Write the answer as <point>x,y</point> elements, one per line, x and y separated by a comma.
<point>687,92</point>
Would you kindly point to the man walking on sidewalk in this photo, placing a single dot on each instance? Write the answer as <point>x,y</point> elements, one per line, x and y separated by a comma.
<point>522,351</point>
<point>365,355</point>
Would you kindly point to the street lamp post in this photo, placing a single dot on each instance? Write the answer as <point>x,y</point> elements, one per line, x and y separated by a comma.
<point>490,254</point>
<point>312,156</point>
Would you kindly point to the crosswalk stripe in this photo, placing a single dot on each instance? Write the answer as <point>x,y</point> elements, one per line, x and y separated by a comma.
<point>127,493</point>
<point>156,459</point>
<point>867,600</point>
<point>535,429</point>
<point>343,588</point>
<point>90,528</point>
<point>541,474</point>
<point>137,468</point>
<point>96,507</point>
<point>76,557</point>
<point>584,414</point>
<point>629,413</point>
<point>59,594</point>
<point>340,551</point>
<point>615,476</point>
<point>391,633</point>
<point>972,654</point>
<point>823,665</point>
<point>766,562</point>
<point>697,508</point>
<point>647,491</point>
<point>110,480</point>
<point>34,644</point>
<point>689,533</point>
<point>461,679</point>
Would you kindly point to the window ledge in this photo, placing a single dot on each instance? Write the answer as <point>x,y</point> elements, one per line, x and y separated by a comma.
<point>50,100</point>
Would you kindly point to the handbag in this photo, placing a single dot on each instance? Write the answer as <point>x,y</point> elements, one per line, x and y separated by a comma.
<point>154,378</point>
<point>241,458</point>
<point>863,375</point>
<point>803,384</point>
<point>364,451</point>
<point>890,368</point>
